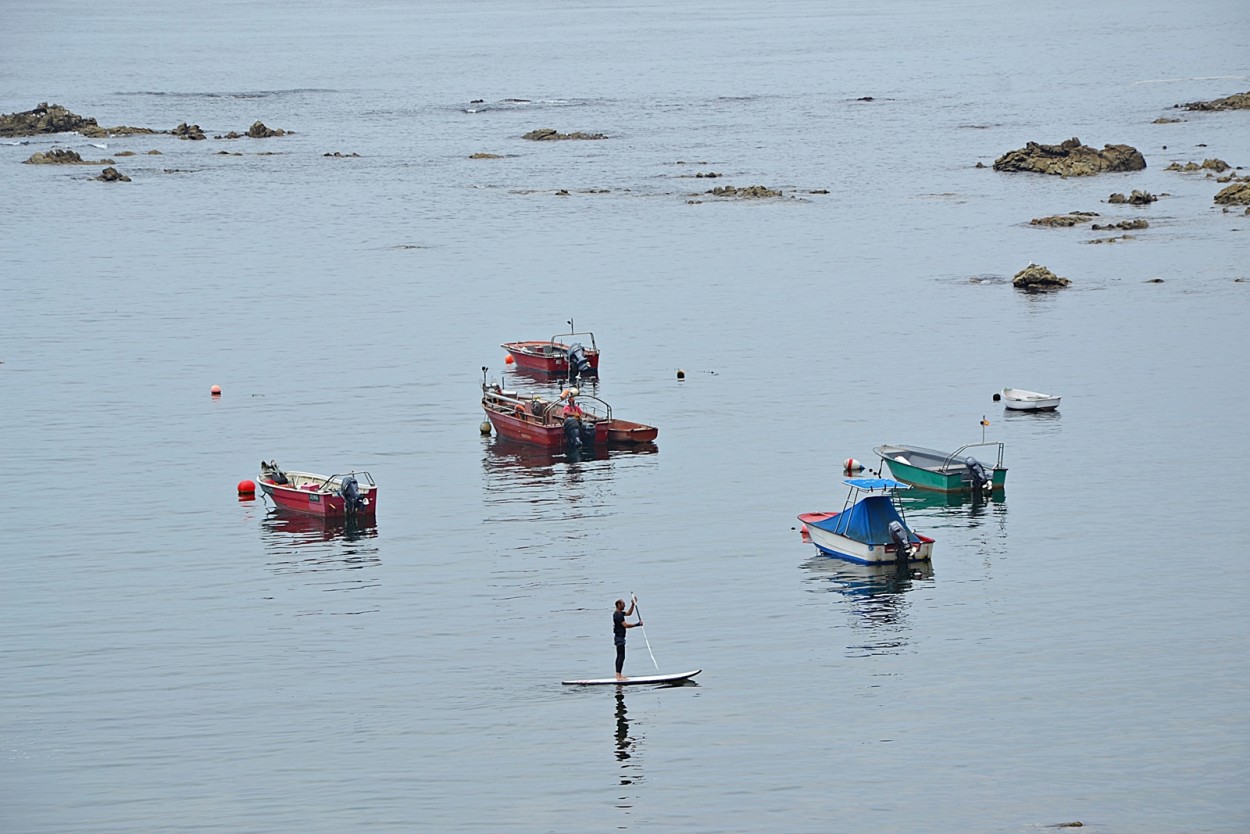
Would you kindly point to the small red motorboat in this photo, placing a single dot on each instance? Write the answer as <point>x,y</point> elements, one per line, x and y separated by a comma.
<point>561,354</point>
<point>350,495</point>
<point>573,420</point>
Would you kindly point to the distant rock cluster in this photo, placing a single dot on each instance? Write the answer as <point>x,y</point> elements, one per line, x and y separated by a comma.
<point>1071,159</point>
<point>1137,198</point>
<point>53,118</point>
<point>547,134</point>
<point>1239,101</point>
<point>63,156</point>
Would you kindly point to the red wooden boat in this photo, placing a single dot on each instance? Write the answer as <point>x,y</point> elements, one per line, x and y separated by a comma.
<point>553,356</point>
<point>353,494</point>
<point>544,423</point>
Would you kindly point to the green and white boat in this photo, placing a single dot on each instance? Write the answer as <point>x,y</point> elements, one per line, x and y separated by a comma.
<point>956,471</point>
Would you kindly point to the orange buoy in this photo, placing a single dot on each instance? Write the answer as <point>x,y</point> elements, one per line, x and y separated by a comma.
<point>215,390</point>
<point>247,487</point>
<point>508,360</point>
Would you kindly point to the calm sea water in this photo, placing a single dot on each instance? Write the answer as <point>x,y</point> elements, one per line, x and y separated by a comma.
<point>177,660</point>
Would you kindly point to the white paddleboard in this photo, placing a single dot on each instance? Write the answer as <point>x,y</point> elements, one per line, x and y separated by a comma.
<point>684,676</point>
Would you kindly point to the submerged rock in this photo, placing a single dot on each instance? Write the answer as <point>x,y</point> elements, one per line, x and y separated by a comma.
<point>112,175</point>
<point>1217,165</point>
<point>1137,198</point>
<point>1071,159</point>
<point>1123,225</point>
<point>63,156</point>
<point>751,192</point>
<point>186,131</point>
<point>484,155</point>
<point>547,134</point>
<point>1035,278</point>
<point>1064,220</point>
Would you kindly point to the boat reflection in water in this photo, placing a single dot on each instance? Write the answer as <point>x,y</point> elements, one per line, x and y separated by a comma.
<point>292,528</point>
<point>509,454</point>
<point>875,595</point>
<point>311,556</point>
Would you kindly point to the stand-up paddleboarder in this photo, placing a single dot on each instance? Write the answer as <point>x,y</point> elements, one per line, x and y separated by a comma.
<point>618,632</point>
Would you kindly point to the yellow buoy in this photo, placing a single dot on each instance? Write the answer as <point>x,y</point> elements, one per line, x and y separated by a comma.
<point>485,427</point>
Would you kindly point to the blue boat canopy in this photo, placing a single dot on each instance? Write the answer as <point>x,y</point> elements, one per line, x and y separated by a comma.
<point>868,521</point>
<point>875,483</point>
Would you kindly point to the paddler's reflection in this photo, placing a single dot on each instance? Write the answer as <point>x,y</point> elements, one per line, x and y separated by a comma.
<point>626,745</point>
<point>623,742</point>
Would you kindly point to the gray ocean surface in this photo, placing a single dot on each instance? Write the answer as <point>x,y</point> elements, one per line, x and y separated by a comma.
<point>177,660</point>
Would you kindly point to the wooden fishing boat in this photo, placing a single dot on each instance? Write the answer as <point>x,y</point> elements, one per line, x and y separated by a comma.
<point>954,471</point>
<point>1017,399</point>
<point>870,528</point>
<point>573,420</point>
<point>627,431</point>
<point>353,494</point>
<point>561,354</point>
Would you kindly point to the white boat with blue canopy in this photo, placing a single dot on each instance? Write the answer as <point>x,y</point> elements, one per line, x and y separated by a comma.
<point>870,528</point>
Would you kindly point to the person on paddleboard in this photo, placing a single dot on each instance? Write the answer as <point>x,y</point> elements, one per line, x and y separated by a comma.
<point>618,631</point>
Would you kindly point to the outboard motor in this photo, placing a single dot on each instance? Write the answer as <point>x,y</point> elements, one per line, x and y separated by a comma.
<point>353,501</point>
<point>979,477</point>
<point>579,365</point>
<point>898,533</point>
<point>572,433</point>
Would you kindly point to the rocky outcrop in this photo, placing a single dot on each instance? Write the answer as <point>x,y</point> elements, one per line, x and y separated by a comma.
<point>1071,159</point>
<point>46,118</point>
<point>63,156</point>
<point>341,155</point>
<point>1123,225</point>
<point>751,192</point>
<point>546,134</point>
<point>1238,101</point>
<point>53,118</point>
<point>186,131</point>
<point>1137,198</point>
<point>1036,278</point>
<point>1237,194</point>
<point>484,155</point>
<point>112,175</point>
<point>1064,220</point>
<point>1219,166</point>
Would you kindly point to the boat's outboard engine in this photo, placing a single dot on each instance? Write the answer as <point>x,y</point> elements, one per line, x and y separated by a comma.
<point>353,501</point>
<point>579,365</point>
<point>979,477</point>
<point>898,533</point>
<point>572,433</point>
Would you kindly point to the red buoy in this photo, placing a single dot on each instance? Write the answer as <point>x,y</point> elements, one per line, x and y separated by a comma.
<point>508,360</point>
<point>247,487</point>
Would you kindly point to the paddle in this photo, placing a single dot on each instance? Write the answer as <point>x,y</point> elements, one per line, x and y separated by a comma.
<point>638,611</point>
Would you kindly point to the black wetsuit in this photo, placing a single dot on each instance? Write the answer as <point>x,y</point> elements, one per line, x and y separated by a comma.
<point>618,635</point>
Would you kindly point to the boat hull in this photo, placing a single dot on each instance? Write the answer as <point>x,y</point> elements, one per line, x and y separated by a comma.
<point>1047,404</point>
<point>316,503</point>
<point>923,477</point>
<point>627,431</point>
<point>858,552</point>
<point>546,357</point>
<point>523,428</point>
